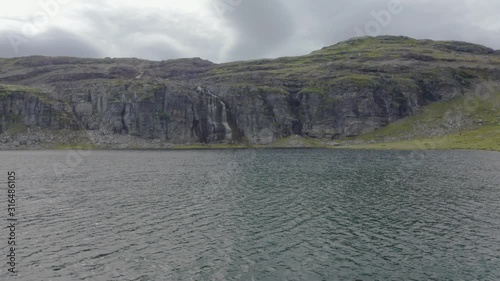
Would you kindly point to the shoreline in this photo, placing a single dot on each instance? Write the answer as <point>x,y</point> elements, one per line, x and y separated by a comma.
<point>483,139</point>
<point>376,146</point>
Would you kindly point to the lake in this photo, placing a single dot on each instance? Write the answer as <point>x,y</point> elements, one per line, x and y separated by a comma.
<point>274,214</point>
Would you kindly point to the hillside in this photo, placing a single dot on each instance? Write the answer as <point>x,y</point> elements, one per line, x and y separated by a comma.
<point>349,92</point>
<point>471,122</point>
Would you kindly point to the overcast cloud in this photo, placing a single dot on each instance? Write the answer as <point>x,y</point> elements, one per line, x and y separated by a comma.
<point>228,30</point>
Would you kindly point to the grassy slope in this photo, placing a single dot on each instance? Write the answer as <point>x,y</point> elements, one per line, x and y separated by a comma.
<point>362,60</point>
<point>484,138</point>
<point>461,123</point>
<point>6,89</point>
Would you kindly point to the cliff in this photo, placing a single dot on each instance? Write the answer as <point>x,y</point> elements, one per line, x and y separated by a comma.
<point>342,91</point>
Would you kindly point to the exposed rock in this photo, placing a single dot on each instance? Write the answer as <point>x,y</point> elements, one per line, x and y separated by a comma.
<point>341,91</point>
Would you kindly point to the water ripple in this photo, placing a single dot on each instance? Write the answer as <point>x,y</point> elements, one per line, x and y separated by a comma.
<point>274,215</point>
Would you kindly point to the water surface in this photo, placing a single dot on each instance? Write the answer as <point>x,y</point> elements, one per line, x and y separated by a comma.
<point>284,214</point>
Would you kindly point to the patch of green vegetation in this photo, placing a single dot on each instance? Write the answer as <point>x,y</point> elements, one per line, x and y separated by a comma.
<point>138,87</point>
<point>149,86</point>
<point>6,88</point>
<point>359,80</point>
<point>314,90</point>
<point>266,89</point>
<point>484,138</point>
<point>9,62</point>
<point>121,82</point>
<point>246,88</point>
<point>278,68</point>
<point>403,81</point>
<point>374,46</point>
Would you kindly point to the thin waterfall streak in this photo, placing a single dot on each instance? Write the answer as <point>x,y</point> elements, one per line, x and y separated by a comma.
<point>213,101</point>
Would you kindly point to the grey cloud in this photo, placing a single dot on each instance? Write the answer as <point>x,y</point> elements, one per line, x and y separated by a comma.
<point>54,42</point>
<point>145,33</point>
<point>446,20</point>
<point>439,20</point>
<point>333,21</point>
<point>156,51</point>
<point>260,28</point>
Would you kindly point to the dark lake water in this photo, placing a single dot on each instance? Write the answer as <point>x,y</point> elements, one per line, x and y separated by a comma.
<point>290,214</point>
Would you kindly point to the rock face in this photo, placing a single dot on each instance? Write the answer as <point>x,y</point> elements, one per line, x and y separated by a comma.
<point>345,90</point>
<point>19,109</point>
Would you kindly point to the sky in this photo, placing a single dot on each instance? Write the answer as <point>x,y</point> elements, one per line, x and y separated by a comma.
<point>230,30</point>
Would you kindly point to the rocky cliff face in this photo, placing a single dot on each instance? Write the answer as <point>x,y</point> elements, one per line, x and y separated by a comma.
<point>345,90</point>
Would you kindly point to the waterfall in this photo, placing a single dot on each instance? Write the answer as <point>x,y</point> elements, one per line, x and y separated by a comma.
<point>217,122</point>
<point>212,118</point>
<point>229,132</point>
